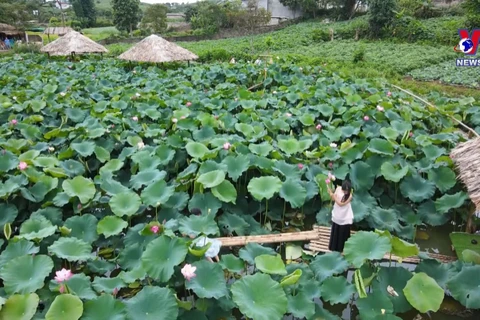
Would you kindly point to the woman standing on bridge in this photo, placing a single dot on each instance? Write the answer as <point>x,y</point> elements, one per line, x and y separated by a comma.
<point>342,216</point>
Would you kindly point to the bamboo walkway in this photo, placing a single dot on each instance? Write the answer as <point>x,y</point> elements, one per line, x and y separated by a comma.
<point>319,238</point>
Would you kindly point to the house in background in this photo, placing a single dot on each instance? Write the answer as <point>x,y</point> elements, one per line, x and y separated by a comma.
<point>61,4</point>
<point>278,11</point>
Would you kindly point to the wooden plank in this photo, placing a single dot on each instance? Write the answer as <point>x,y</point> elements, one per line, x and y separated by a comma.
<point>269,238</point>
<point>319,239</point>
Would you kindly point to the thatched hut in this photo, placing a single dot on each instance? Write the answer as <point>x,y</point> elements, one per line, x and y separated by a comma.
<point>73,43</point>
<point>59,31</point>
<point>466,156</point>
<point>8,31</point>
<point>155,49</point>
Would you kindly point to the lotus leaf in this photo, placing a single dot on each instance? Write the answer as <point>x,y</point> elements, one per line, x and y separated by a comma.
<point>293,192</point>
<point>361,175</point>
<point>423,293</point>
<point>259,297</point>
<point>373,304</point>
<point>17,249</point>
<point>104,307</point>
<point>71,249</point>
<point>20,307</point>
<point>337,290</point>
<point>152,303</point>
<point>196,225</point>
<point>196,149</point>
<point>206,203</point>
<point>465,287</point>
<point>225,192</point>
<point>364,246</point>
<point>253,250</point>
<point>397,278</point>
<point>162,255</point>
<point>79,187</point>
<point>83,227</point>
<point>65,306</point>
<point>416,188</point>
<point>108,285</point>
<point>393,173</point>
<point>157,193</point>
<point>209,281</point>
<point>270,264</point>
<point>37,227</point>
<point>264,187</point>
<point>441,272</point>
<point>232,263</point>
<point>231,223</point>
<point>327,265</point>
<point>301,306</point>
<point>110,226</point>
<point>443,177</point>
<point>25,274</point>
<point>125,204</point>
<point>450,201</point>
<point>80,285</point>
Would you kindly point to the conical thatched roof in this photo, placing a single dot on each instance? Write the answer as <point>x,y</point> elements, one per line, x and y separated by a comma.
<point>73,42</point>
<point>466,156</point>
<point>156,49</point>
<point>6,27</point>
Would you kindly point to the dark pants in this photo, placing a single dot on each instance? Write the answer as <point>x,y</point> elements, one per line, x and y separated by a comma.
<point>338,236</point>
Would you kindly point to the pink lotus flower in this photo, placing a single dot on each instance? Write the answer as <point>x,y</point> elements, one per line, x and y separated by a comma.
<point>22,166</point>
<point>188,272</point>
<point>189,104</point>
<point>300,166</point>
<point>366,118</point>
<point>115,292</point>
<point>14,121</point>
<point>330,165</point>
<point>79,206</point>
<point>411,134</point>
<point>63,275</point>
<point>318,127</point>
<point>288,114</point>
<point>327,181</point>
<point>154,229</point>
<point>226,145</point>
<point>61,289</point>
<point>174,120</point>
<point>380,108</point>
<point>331,176</point>
<point>135,118</point>
<point>389,94</point>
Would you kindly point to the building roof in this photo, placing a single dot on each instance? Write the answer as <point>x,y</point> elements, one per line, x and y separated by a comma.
<point>73,42</point>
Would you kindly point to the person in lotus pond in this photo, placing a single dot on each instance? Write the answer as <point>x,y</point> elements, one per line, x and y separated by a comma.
<point>342,216</point>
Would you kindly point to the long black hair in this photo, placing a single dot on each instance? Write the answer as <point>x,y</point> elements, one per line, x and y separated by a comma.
<point>346,188</point>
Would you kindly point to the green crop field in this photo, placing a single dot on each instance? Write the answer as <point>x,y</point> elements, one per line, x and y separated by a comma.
<point>113,178</point>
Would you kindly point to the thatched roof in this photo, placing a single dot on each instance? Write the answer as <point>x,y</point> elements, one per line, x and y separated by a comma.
<point>156,49</point>
<point>73,42</point>
<point>8,29</point>
<point>61,31</point>
<point>466,156</point>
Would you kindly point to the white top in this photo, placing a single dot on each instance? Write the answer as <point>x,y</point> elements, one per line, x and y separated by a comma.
<point>342,215</point>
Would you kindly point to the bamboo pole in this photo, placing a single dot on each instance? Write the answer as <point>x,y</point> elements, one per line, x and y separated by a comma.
<point>269,238</point>
<point>433,106</point>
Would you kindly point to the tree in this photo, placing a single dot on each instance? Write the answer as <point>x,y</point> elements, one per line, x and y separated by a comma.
<point>85,12</point>
<point>155,18</point>
<point>14,13</point>
<point>382,14</point>
<point>126,14</point>
<point>472,8</point>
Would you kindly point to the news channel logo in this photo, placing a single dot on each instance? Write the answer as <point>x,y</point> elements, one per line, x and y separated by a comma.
<point>468,45</point>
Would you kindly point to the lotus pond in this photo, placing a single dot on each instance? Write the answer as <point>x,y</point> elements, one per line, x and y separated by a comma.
<point>109,173</point>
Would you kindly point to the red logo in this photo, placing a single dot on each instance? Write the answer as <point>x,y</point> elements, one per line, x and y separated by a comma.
<point>468,43</point>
